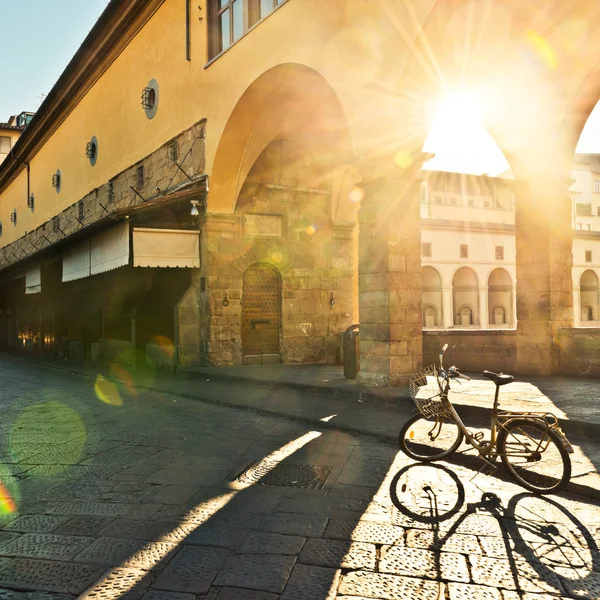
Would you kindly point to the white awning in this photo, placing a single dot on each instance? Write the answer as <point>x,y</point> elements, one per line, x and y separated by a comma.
<point>110,249</point>
<point>76,262</point>
<point>166,248</point>
<point>33,280</point>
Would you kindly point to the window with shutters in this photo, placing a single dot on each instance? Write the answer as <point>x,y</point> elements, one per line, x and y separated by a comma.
<point>5,144</point>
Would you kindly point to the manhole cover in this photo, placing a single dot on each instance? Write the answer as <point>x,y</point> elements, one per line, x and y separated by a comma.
<point>268,472</point>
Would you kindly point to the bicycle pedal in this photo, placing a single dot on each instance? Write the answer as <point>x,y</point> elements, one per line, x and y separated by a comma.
<point>478,436</point>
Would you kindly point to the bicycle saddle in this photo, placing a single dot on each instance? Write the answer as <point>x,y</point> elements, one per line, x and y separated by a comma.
<point>498,378</point>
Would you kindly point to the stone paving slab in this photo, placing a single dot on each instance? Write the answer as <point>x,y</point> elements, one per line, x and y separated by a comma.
<point>336,554</point>
<point>50,576</point>
<point>163,595</point>
<point>268,573</point>
<point>36,523</point>
<point>463,591</point>
<point>46,545</point>
<point>388,587</point>
<point>119,584</point>
<point>293,524</point>
<point>220,537</point>
<point>513,576</point>
<point>309,583</point>
<point>416,562</point>
<point>260,542</point>
<point>229,593</point>
<point>377,533</point>
<point>135,554</point>
<point>193,569</point>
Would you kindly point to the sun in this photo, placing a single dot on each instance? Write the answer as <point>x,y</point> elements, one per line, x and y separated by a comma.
<point>458,137</point>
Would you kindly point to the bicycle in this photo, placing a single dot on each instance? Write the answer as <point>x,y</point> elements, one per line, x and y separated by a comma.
<point>531,445</point>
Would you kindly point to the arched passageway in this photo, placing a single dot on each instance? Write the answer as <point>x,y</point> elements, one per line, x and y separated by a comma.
<point>500,298</point>
<point>589,294</point>
<point>432,300</point>
<point>465,298</point>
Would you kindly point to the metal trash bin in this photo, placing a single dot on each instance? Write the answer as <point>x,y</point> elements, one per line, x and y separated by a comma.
<point>351,352</point>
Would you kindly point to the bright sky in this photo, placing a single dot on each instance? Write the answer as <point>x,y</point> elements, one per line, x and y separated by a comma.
<point>30,65</point>
<point>39,38</point>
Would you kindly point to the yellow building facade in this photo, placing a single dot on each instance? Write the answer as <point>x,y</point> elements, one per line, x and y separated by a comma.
<point>275,122</point>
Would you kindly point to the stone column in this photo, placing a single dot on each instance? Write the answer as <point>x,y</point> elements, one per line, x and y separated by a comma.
<point>576,306</point>
<point>391,343</point>
<point>448,308</point>
<point>483,308</point>
<point>544,240</point>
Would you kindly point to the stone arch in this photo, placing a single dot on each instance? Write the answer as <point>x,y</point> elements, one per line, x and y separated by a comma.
<point>432,297</point>
<point>500,298</point>
<point>465,295</point>
<point>589,296</point>
<point>289,101</point>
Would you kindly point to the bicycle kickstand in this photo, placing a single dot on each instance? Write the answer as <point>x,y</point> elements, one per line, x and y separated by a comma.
<point>486,464</point>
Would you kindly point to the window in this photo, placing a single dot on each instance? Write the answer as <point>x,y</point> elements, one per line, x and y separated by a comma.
<point>588,256</point>
<point>230,19</point>
<point>173,152</point>
<point>471,201</point>
<point>464,251</point>
<point>578,225</point>
<point>4,144</point>
<point>597,186</point>
<point>588,227</point>
<point>499,252</point>
<point>598,210</point>
<point>439,199</point>
<point>139,176</point>
<point>426,249</point>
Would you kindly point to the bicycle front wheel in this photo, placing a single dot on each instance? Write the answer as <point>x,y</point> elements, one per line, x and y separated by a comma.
<point>534,456</point>
<point>429,439</point>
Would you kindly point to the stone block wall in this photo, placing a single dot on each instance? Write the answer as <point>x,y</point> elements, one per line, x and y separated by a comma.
<point>579,352</point>
<point>472,351</point>
<point>313,256</point>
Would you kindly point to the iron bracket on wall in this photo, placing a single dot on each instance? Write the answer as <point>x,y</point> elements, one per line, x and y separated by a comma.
<point>137,193</point>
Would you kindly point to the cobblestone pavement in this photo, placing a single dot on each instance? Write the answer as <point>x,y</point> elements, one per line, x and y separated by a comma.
<point>113,492</point>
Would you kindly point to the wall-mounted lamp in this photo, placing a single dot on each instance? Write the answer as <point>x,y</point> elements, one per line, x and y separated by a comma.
<point>331,300</point>
<point>13,217</point>
<point>225,300</point>
<point>31,202</point>
<point>194,211</point>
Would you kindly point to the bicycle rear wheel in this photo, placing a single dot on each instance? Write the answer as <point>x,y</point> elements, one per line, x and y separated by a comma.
<point>534,456</point>
<point>429,439</point>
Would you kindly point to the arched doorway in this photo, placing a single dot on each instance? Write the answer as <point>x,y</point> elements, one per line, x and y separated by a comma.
<point>261,315</point>
<point>589,294</point>
<point>500,298</point>
<point>465,297</point>
<point>432,302</point>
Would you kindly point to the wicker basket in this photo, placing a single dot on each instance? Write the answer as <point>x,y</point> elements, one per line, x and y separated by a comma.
<point>425,392</point>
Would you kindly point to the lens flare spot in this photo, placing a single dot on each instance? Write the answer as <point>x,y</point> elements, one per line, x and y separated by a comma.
<point>49,430</point>
<point>107,392</point>
<point>277,257</point>
<point>411,435</point>
<point>311,229</point>
<point>403,159</point>
<point>542,49</point>
<point>356,194</point>
<point>7,503</point>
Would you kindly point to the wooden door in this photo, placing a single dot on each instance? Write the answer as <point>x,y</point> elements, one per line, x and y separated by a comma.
<point>261,315</point>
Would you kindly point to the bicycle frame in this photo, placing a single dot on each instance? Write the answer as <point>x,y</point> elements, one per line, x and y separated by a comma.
<point>499,420</point>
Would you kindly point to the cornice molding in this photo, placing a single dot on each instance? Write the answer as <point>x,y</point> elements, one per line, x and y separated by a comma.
<point>117,26</point>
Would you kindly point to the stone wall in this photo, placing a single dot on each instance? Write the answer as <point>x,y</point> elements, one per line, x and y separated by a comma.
<point>472,351</point>
<point>579,352</point>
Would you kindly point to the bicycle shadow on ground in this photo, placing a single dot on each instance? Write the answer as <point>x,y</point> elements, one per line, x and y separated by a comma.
<point>525,543</point>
